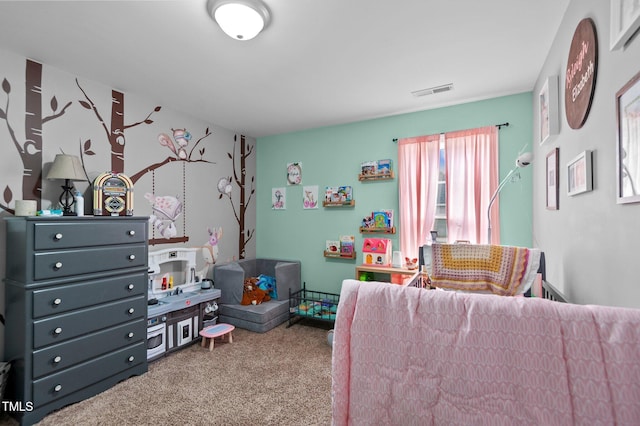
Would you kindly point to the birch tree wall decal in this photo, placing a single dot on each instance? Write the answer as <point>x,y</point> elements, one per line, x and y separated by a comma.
<point>115,132</point>
<point>240,178</point>
<point>30,150</point>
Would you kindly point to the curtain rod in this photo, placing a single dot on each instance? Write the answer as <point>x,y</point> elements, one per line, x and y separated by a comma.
<point>499,126</point>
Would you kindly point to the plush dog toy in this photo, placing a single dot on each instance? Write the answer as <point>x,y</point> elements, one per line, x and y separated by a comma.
<point>252,294</point>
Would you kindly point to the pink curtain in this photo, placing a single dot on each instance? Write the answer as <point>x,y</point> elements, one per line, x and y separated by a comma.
<point>418,185</point>
<point>472,177</point>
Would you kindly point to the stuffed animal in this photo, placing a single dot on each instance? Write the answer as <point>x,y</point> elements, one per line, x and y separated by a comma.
<point>268,284</point>
<point>411,263</point>
<point>252,294</point>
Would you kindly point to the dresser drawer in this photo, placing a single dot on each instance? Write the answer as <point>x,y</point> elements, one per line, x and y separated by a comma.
<point>58,357</point>
<point>65,298</point>
<point>87,233</point>
<point>76,323</point>
<point>66,382</point>
<point>66,263</point>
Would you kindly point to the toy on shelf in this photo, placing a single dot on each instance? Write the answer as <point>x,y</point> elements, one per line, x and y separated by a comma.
<point>338,196</point>
<point>346,244</point>
<point>376,251</point>
<point>376,170</point>
<point>344,248</point>
<point>411,264</point>
<point>333,247</point>
<point>379,222</point>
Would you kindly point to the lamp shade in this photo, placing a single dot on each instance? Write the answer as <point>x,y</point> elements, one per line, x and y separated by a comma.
<point>66,167</point>
<point>524,159</point>
<point>239,19</point>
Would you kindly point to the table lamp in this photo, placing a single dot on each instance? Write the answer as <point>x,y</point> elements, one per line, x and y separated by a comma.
<point>67,167</point>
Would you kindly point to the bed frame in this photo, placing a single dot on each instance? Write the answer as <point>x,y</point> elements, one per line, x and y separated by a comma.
<point>551,293</point>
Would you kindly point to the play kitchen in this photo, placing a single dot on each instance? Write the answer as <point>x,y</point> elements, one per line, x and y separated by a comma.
<point>181,301</point>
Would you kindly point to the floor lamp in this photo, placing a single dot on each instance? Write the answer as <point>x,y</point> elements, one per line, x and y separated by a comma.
<point>522,161</point>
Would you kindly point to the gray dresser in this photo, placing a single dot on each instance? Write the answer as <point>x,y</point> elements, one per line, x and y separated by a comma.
<point>76,308</point>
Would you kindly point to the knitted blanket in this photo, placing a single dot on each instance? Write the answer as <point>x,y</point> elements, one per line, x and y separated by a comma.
<point>502,270</point>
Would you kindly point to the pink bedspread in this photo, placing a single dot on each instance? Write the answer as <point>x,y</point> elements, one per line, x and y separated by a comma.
<point>408,356</point>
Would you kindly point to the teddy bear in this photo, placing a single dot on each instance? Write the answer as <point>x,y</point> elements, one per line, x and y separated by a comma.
<point>252,294</point>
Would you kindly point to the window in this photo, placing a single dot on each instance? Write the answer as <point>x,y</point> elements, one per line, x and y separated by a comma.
<point>446,182</point>
<point>440,221</point>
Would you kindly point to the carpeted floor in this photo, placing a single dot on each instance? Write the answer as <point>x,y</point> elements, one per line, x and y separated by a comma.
<point>282,377</point>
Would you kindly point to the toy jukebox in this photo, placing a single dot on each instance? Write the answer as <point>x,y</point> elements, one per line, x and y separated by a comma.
<point>112,195</point>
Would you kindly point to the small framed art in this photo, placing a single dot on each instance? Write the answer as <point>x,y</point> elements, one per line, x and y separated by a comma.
<point>579,178</point>
<point>552,180</point>
<point>628,142</point>
<point>548,109</point>
<point>625,21</point>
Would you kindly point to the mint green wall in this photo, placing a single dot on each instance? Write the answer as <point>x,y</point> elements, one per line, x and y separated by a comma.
<point>331,156</point>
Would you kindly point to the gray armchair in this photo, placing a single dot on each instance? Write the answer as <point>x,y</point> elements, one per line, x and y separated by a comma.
<point>229,278</point>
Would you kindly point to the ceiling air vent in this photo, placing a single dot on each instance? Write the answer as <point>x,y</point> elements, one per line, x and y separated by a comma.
<point>433,90</point>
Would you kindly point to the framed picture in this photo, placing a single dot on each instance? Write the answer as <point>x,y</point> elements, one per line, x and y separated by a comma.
<point>625,21</point>
<point>294,173</point>
<point>579,177</point>
<point>548,109</point>
<point>552,180</point>
<point>628,142</point>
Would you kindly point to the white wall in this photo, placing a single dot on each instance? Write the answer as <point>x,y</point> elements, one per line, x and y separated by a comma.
<point>193,182</point>
<point>591,243</point>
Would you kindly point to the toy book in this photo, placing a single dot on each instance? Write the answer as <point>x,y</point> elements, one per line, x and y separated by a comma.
<point>381,219</point>
<point>346,244</point>
<point>369,168</point>
<point>389,213</point>
<point>338,194</point>
<point>346,193</point>
<point>333,246</point>
<point>384,167</point>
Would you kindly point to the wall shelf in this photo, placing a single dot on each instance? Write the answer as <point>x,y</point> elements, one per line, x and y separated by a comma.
<point>339,203</point>
<point>377,176</point>
<point>374,230</point>
<point>340,255</point>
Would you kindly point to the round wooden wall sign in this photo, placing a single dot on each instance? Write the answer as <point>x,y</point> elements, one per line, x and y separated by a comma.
<point>580,78</point>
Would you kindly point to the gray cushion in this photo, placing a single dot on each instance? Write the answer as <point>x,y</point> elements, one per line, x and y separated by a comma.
<point>254,326</point>
<point>263,312</point>
<point>229,278</point>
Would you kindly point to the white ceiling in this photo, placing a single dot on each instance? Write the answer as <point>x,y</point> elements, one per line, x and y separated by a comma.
<point>319,63</point>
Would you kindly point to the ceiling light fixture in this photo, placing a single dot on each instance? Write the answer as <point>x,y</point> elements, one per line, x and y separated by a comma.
<point>239,19</point>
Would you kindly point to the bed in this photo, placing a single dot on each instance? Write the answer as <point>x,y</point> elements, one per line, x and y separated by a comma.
<point>404,355</point>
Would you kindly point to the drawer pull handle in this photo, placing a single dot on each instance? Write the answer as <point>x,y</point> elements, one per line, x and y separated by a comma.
<point>131,233</point>
<point>131,311</point>
<point>57,359</point>
<point>130,287</point>
<point>57,301</point>
<point>57,237</point>
<point>58,265</point>
<point>131,358</point>
<point>130,335</point>
<point>132,257</point>
<point>58,330</point>
<point>58,388</point>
